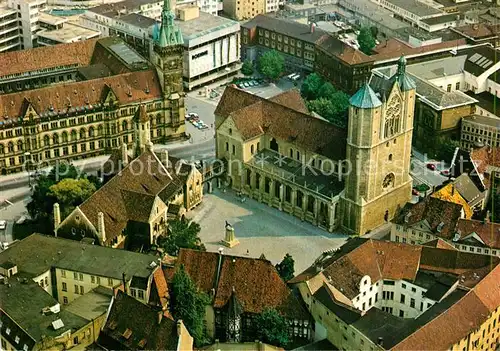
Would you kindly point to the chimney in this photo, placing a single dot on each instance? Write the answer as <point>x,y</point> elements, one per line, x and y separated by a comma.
<point>160,316</point>
<point>486,218</point>
<point>452,189</point>
<point>312,26</point>
<point>57,217</point>
<point>164,157</point>
<point>380,341</point>
<point>219,266</point>
<point>101,230</point>
<point>124,280</point>
<point>124,155</point>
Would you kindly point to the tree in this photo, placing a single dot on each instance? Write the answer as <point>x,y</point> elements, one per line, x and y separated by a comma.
<point>334,109</point>
<point>182,234</point>
<point>188,304</point>
<point>247,68</point>
<point>311,86</point>
<point>69,193</point>
<point>445,149</point>
<point>272,328</point>
<point>271,64</point>
<point>326,91</point>
<point>42,202</point>
<point>366,40</point>
<point>286,267</point>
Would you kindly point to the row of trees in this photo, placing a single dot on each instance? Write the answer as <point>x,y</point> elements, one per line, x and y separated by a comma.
<point>325,100</point>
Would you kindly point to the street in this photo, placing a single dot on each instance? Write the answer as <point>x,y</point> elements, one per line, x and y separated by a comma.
<point>422,175</point>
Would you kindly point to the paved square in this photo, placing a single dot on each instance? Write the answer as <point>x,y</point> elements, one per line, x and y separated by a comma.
<point>261,229</point>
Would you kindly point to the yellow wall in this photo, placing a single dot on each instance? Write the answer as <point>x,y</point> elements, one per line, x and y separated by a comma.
<point>85,282</point>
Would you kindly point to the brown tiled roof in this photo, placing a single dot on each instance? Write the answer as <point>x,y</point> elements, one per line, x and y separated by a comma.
<point>128,195</point>
<point>486,156</point>
<point>78,54</point>
<point>132,325</point>
<point>161,287</point>
<point>395,49</point>
<point>478,30</point>
<point>255,116</point>
<point>256,282</point>
<point>435,211</point>
<point>455,262</point>
<point>62,98</point>
<point>377,259</point>
<point>488,232</point>
<point>450,193</point>
<point>291,99</point>
<point>467,315</point>
<point>440,244</point>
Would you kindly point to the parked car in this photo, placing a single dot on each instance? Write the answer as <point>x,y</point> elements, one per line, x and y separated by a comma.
<point>431,166</point>
<point>415,192</point>
<point>445,172</point>
<point>3,224</point>
<point>193,115</point>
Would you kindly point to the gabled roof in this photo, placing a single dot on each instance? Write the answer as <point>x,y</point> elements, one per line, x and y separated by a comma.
<point>132,325</point>
<point>365,98</point>
<point>441,216</point>
<point>291,99</point>
<point>440,244</point>
<point>485,157</point>
<point>70,98</point>
<point>450,194</point>
<point>129,196</point>
<point>488,232</point>
<point>255,282</point>
<point>78,53</point>
<point>254,116</point>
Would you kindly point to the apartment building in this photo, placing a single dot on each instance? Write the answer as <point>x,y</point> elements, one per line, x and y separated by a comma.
<point>295,41</point>
<point>9,27</point>
<point>478,129</point>
<point>362,298</point>
<point>88,95</point>
<point>60,278</point>
<point>240,10</point>
<point>28,12</point>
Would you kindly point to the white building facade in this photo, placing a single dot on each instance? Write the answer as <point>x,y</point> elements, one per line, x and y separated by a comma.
<point>28,12</point>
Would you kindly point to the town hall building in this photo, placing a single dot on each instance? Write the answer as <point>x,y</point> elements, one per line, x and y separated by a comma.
<point>355,178</point>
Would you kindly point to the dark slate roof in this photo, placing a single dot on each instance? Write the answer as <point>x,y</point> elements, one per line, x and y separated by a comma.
<point>347,314</point>
<point>291,28</point>
<point>132,325</point>
<point>481,59</point>
<point>365,98</point>
<point>75,256</point>
<point>139,283</point>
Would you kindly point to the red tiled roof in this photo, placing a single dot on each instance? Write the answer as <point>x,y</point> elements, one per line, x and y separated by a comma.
<point>291,99</point>
<point>439,244</point>
<point>488,232</point>
<point>254,116</point>
<point>256,282</point>
<point>161,288</point>
<point>478,30</point>
<point>484,157</point>
<point>128,88</point>
<point>467,315</point>
<point>78,53</point>
<point>377,259</point>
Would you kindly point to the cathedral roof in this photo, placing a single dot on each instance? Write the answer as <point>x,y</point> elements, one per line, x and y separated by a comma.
<point>365,98</point>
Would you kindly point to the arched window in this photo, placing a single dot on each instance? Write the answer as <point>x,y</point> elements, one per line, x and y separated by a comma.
<point>392,117</point>
<point>251,149</point>
<point>83,133</point>
<point>99,130</point>
<point>124,125</point>
<point>73,135</point>
<point>2,149</point>
<point>390,157</point>
<point>20,145</point>
<point>227,146</point>
<point>298,155</point>
<point>91,132</point>
<point>55,138</point>
<point>64,137</point>
<point>273,145</point>
<point>291,153</point>
<point>230,131</point>
<point>158,119</point>
<point>258,146</point>
<point>46,141</point>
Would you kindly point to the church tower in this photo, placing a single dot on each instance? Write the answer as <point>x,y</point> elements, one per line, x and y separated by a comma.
<point>378,152</point>
<point>167,55</point>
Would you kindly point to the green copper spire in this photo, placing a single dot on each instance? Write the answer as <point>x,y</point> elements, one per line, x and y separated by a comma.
<point>170,34</point>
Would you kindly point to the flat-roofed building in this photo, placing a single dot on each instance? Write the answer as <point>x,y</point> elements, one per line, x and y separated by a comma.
<point>480,129</point>
<point>9,27</point>
<point>68,33</point>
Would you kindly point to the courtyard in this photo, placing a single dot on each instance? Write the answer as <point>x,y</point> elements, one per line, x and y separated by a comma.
<point>261,229</point>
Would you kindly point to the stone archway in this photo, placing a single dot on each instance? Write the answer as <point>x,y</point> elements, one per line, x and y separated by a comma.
<point>273,145</point>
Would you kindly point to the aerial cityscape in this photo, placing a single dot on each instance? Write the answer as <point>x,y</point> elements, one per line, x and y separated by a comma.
<point>249,175</point>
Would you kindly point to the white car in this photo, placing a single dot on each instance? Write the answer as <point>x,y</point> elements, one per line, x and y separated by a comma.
<point>3,225</point>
